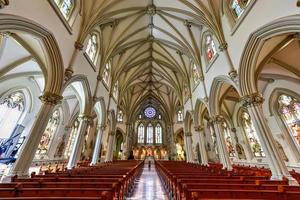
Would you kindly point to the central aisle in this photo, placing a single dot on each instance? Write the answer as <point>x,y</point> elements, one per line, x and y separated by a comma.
<point>148,186</point>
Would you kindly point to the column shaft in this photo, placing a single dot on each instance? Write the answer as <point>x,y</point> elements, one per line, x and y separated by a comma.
<point>200,132</point>
<point>97,148</point>
<point>109,152</point>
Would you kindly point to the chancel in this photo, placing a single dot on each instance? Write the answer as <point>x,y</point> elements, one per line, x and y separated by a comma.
<point>149,99</point>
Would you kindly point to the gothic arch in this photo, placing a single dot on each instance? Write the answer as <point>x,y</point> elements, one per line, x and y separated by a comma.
<point>248,62</point>
<point>52,67</point>
<point>188,121</point>
<point>100,110</point>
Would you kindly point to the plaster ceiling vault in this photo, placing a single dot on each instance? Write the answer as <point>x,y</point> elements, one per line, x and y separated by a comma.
<point>151,45</point>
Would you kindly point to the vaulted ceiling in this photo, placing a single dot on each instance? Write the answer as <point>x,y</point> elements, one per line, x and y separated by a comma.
<point>152,45</point>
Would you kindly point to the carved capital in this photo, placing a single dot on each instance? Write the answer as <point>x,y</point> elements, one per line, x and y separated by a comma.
<point>187,23</point>
<point>223,46</point>
<point>88,119</point>
<point>219,119</point>
<point>233,75</point>
<point>50,98</point>
<point>151,10</point>
<point>251,100</point>
<point>198,128</point>
<point>78,46</point>
<point>68,74</point>
<point>4,3</point>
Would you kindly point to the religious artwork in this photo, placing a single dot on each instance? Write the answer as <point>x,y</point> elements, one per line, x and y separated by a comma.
<point>289,110</point>
<point>158,134</point>
<point>48,134</point>
<point>252,135</point>
<point>66,7</point>
<point>92,48</point>
<point>12,107</point>
<point>228,140</point>
<point>210,47</point>
<point>240,151</point>
<point>141,134</point>
<point>196,75</point>
<point>180,147</point>
<point>238,7</point>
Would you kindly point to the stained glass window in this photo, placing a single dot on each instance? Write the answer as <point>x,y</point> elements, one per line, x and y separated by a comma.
<point>106,73</point>
<point>72,137</point>
<point>47,136</point>
<point>210,47</point>
<point>149,134</point>
<point>141,134</point>
<point>252,135</point>
<point>238,7</point>
<point>11,109</point>
<point>158,134</point>
<point>196,75</point>
<point>228,140</point>
<point>66,7</point>
<point>120,116</point>
<point>92,48</point>
<point>289,109</point>
<point>150,112</point>
<point>179,116</point>
<point>115,90</point>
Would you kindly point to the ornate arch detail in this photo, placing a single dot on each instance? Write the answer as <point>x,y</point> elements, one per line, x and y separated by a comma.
<point>87,91</point>
<point>199,102</point>
<point>54,69</point>
<point>247,70</point>
<point>215,91</point>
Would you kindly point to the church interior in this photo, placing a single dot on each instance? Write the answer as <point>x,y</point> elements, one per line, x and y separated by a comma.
<point>149,99</point>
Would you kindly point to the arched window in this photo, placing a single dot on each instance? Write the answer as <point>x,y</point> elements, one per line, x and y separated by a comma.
<point>158,134</point>
<point>179,116</point>
<point>196,75</point>
<point>11,109</point>
<point>289,109</point>
<point>106,73</point>
<point>228,140</point>
<point>92,48</point>
<point>149,134</point>
<point>66,7</point>
<point>210,48</point>
<point>252,135</point>
<point>48,134</point>
<point>237,7</point>
<point>71,139</point>
<point>141,134</point>
<point>115,90</point>
<point>120,116</point>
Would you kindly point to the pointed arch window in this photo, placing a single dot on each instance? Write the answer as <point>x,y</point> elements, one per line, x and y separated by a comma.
<point>106,73</point>
<point>48,134</point>
<point>196,75</point>
<point>289,110</point>
<point>149,134</point>
<point>72,137</point>
<point>210,48</point>
<point>141,134</point>
<point>252,135</point>
<point>92,48</point>
<point>158,134</point>
<point>228,140</point>
<point>120,116</point>
<point>115,90</point>
<point>237,7</point>
<point>179,116</point>
<point>11,109</point>
<point>66,7</point>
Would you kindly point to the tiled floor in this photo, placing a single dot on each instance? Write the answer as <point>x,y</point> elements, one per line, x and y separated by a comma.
<point>148,186</point>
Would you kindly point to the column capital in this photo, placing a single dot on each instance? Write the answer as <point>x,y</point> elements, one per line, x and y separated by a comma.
<point>223,46</point>
<point>87,118</point>
<point>250,100</point>
<point>4,3</point>
<point>218,119</point>
<point>188,133</point>
<point>68,74</point>
<point>50,98</point>
<point>78,46</point>
<point>198,128</point>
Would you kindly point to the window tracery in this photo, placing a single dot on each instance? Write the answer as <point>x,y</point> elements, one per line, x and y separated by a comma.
<point>149,134</point>
<point>238,7</point>
<point>252,135</point>
<point>92,47</point>
<point>106,73</point>
<point>179,116</point>
<point>158,134</point>
<point>66,7</point>
<point>141,134</point>
<point>115,90</point>
<point>289,109</point>
<point>120,116</point>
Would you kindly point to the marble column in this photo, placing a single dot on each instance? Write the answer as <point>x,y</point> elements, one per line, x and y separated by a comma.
<point>200,131</point>
<point>222,149</point>
<point>189,147</point>
<point>109,152</point>
<point>27,153</point>
<point>97,149</point>
<point>253,103</point>
<point>79,140</point>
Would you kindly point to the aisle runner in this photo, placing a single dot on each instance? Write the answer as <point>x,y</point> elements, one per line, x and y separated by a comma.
<point>148,186</point>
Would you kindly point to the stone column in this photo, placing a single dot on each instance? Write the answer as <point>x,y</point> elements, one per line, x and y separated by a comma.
<point>96,153</point>
<point>109,152</point>
<point>222,149</point>
<point>254,104</point>
<point>69,71</point>
<point>126,146</point>
<point>79,140</point>
<point>200,131</point>
<point>21,167</point>
<point>172,142</point>
<point>189,147</point>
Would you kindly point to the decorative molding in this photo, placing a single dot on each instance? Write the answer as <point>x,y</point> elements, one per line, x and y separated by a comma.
<point>50,98</point>
<point>251,100</point>
<point>79,46</point>
<point>218,119</point>
<point>68,74</point>
<point>4,3</point>
<point>198,128</point>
